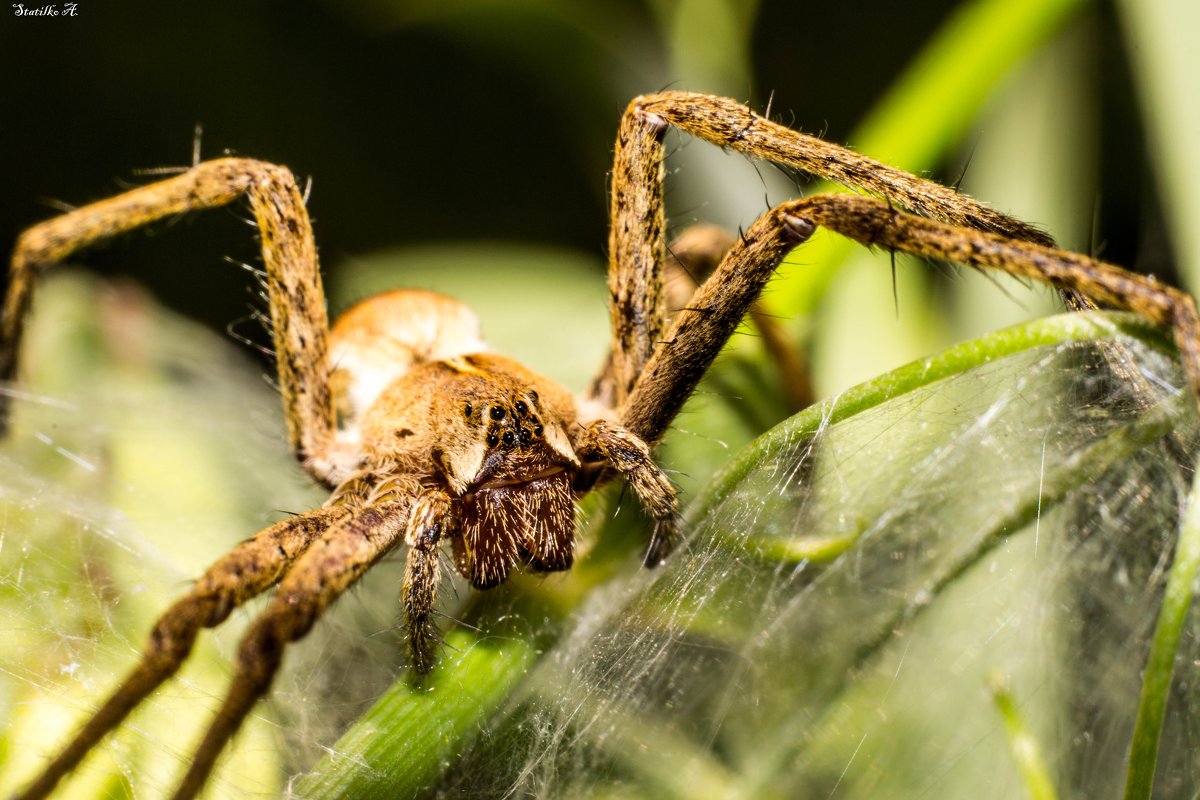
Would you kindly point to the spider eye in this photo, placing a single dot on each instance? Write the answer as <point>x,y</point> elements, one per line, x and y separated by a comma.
<point>497,412</point>
<point>533,396</point>
<point>467,409</point>
<point>521,407</point>
<point>493,440</point>
<point>525,435</point>
<point>508,438</point>
<point>538,429</point>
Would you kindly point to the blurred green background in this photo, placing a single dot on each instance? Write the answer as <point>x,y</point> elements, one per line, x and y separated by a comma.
<point>465,146</point>
<point>424,122</point>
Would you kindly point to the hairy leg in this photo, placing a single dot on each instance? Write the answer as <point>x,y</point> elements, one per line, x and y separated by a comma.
<point>426,527</point>
<point>701,330</point>
<point>246,571</point>
<point>627,454</point>
<point>329,567</point>
<point>293,282</point>
<point>637,225</point>
<point>874,223</point>
<point>692,257</point>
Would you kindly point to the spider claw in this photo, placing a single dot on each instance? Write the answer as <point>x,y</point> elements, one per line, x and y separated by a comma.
<point>662,542</point>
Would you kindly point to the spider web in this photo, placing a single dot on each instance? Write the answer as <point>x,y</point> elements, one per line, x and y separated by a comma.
<point>831,627</point>
<point>1011,526</point>
<point>142,448</point>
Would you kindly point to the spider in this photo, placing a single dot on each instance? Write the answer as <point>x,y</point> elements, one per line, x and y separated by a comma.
<point>425,438</point>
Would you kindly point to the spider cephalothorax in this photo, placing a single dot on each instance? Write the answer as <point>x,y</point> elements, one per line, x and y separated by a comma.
<point>500,446</point>
<point>425,436</point>
<point>499,449</point>
<point>490,433</point>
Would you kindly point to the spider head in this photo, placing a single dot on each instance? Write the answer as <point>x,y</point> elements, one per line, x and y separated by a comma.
<point>504,453</point>
<point>495,435</point>
<point>500,425</point>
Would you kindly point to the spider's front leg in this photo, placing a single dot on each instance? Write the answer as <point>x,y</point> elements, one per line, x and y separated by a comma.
<point>649,373</point>
<point>627,454</point>
<point>692,257</point>
<point>874,223</point>
<point>701,329</point>
<point>648,398</point>
<point>246,571</point>
<point>329,567</point>
<point>429,523</point>
<point>652,369</point>
<point>293,282</point>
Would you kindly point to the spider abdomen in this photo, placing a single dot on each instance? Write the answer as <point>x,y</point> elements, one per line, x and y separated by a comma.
<point>383,337</point>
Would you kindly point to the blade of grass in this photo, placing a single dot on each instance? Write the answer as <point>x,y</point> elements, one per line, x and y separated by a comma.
<point>1025,749</point>
<point>1165,60</point>
<point>404,742</point>
<point>1160,665</point>
<point>1046,331</point>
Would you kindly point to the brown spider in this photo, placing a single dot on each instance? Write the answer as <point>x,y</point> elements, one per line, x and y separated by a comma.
<point>425,437</point>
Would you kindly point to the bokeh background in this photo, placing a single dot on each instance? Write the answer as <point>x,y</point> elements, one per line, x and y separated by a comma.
<point>464,146</point>
<point>482,122</point>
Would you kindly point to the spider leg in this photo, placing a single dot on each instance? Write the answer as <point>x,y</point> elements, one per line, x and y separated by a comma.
<point>649,374</point>
<point>729,123</point>
<point>293,281</point>
<point>629,455</point>
<point>250,568</point>
<point>329,567</point>
<point>637,225</point>
<point>426,526</point>
<point>691,258</point>
<point>701,330</point>
<point>874,223</point>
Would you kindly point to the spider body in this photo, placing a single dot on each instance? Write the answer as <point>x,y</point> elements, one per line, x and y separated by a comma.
<point>491,434</point>
<point>427,439</point>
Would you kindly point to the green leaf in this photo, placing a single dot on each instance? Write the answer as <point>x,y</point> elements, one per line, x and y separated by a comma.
<point>761,655</point>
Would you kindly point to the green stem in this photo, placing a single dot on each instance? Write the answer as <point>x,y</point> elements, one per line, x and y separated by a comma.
<point>1156,683</point>
<point>1024,746</point>
<point>914,375</point>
